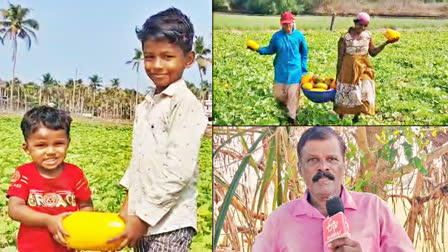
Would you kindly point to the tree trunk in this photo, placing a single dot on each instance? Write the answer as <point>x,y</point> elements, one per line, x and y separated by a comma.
<point>136,90</point>
<point>14,57</point>
<point>26,105</point>
<point>200,73</point>
<point>367,142</point>
<point>115,108</point>
<point>79,109</point>
<point>18,97</point>
<point>40,95</point>
<point>130,108</point>
<point>82,105</point>
<point>93,103</point>
<point>416,207</point>
<point>333,16</point>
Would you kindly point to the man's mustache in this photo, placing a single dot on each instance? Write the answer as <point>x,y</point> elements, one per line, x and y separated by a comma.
<point>321,174</point>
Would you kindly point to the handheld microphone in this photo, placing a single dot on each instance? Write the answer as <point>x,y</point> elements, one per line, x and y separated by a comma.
<point>335,226</point>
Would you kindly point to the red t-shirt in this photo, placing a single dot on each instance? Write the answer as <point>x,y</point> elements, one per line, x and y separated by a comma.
<point>52,196</point>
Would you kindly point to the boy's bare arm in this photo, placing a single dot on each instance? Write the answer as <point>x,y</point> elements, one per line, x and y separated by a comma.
<point>124,208</point>
<point>86,205</point>
<point>19,211</point>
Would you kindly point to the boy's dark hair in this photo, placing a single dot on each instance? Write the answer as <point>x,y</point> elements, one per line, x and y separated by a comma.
<point>170,24</point>
<point>320,133</point>
<point>47,117</point>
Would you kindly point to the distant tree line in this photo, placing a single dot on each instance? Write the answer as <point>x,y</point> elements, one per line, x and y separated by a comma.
<point>279,6</point>
<point>94,97</point>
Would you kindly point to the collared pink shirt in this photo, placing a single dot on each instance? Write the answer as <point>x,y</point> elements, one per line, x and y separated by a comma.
<point>297,226</point>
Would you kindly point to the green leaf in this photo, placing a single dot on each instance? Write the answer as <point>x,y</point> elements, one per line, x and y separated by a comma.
<point>352,147</point>
<point>418,164</point>
<point>368,175</point>
<point>408,151</point>
<point>226,142</point>
<point>232,189</point>
<point>279,188</point>
<point>359,185</point>
<point>268,172</point>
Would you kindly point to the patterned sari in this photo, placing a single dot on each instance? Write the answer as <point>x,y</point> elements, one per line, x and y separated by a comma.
<point>355,91</point>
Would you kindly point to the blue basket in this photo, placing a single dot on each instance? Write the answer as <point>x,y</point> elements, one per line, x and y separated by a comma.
<point>320,97</point>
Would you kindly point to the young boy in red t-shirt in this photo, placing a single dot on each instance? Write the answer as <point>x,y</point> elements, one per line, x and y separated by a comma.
<point>43,192</point>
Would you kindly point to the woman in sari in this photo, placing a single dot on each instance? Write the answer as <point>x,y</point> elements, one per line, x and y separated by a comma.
<point>355,91</point>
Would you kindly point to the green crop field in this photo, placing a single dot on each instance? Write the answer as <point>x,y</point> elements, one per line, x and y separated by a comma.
<point>103,151</point>
<point>411,75</point>
<point>255,22</point>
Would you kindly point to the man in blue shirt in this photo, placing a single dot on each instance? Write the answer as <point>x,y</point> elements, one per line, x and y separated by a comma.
<point>290,63</point>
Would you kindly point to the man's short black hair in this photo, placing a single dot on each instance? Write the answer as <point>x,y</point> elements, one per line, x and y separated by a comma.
<point>320,133</point>
<point>45,116</point>
<point>170,24</point>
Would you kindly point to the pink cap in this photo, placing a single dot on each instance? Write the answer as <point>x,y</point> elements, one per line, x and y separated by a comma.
<point>363,18</point>
<point>286,18</point>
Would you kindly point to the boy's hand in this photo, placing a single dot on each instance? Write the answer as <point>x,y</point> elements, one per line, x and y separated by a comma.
<point>135,229</point>
<point>54,226</point>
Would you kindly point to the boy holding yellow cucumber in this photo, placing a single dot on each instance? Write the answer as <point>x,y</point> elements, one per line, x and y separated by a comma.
<point>160,206</point>
<point>46,190</point>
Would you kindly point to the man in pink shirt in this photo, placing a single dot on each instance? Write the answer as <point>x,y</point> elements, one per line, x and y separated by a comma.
<point>297,225</point>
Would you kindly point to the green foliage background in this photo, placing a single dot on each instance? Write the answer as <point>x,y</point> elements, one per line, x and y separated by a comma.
<point>280,6</point>
<point>103,151</point>
<point>411,79</point>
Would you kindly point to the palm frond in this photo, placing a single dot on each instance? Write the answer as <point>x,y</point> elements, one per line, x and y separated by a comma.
<point>31,23</point>
<point>24,35</point>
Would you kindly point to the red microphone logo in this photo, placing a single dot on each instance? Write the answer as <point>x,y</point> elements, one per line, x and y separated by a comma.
<point>336,225</point>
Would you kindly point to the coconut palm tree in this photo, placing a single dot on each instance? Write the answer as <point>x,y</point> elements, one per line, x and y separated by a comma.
<point>95,83</point>
<point>135,61</point>
<point>47,84</point>
<point>15,25</point>
<point>115,83</point>
<point>201,52</point>
<point>204,89</point>
<point>193,89</point>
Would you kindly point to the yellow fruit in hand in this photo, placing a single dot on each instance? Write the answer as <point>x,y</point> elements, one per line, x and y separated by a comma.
<point>321,85</point>
<point>392,34</point>
<point>252,45</point>
<point>308,85</point>
<point>318,89</point>
<point>92,230</point>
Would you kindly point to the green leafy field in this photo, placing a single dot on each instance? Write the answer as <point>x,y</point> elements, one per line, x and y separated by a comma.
<point>307,22</point>
<point>411,79</point>
<point>103,151</point>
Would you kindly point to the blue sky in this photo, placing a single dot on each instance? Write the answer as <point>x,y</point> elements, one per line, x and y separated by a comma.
<point>95,37</point>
